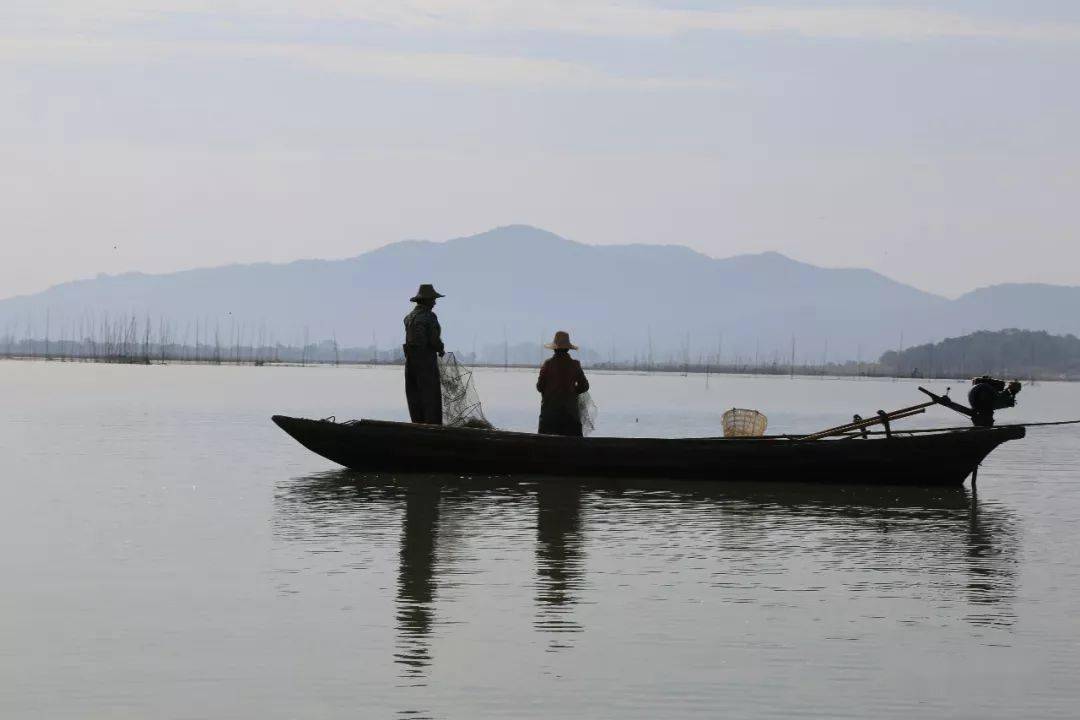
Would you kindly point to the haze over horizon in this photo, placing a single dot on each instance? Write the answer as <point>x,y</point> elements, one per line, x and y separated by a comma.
<point>935,146</point>
<point>516,284</point>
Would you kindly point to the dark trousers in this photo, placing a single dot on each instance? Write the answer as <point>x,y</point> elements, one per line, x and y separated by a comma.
<point>560,418</point>
<point>422,388</point>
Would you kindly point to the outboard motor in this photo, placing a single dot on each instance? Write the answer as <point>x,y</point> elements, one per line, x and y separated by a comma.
<point>988,394</point>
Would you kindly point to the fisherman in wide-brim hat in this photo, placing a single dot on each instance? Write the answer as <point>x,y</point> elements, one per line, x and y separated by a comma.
<point>560,383</point>
<point>423,346</point>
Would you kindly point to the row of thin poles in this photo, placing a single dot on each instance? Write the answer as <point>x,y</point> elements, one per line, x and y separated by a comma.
<point>131,339</point>
<point>142,341</point>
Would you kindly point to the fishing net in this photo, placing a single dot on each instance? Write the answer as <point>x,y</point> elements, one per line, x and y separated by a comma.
<point>740,422</point>
<point>460,400</point>
<point>587,411</point>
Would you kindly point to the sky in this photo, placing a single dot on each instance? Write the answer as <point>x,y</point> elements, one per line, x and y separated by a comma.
<point>936,143</point>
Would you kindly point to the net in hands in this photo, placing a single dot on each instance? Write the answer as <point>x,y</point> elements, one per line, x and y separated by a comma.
<point>460,400</point>
<point>587,412</point>
<point>740,422</point>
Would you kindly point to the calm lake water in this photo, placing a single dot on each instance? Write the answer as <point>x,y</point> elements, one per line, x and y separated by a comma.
<point>167,552</point>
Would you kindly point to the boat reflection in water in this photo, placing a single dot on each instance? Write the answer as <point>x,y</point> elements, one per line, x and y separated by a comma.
<point>941,548</point>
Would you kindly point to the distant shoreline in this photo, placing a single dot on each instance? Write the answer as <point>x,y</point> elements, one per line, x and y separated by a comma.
<point>863,370</point>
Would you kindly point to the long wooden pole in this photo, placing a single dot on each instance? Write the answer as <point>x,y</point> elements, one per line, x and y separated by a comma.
<point>894,415</point>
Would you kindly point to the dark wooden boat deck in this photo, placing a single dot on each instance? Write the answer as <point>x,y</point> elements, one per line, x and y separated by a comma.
<point>937,458</point>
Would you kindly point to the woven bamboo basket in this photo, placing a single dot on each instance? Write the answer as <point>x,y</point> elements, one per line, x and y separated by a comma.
<point>740,422</point>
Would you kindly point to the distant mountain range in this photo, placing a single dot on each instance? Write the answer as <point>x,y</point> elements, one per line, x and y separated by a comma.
<point>512,287</point>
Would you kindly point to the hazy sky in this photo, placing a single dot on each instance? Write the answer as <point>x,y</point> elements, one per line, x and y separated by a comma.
<point>938,143</point>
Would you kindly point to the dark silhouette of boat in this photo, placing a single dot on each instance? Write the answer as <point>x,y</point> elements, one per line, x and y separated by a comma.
<point>945,457</point>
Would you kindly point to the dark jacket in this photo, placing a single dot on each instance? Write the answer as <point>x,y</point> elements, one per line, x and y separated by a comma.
<point>422,330</point>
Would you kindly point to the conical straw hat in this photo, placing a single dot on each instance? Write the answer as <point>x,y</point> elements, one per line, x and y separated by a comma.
<point>561,342</point>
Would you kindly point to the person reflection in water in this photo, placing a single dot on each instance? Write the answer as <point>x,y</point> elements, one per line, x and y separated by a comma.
<point>416,579</point>
<point>560,383</point>
<point>423,342</point>
<point>560,557</point>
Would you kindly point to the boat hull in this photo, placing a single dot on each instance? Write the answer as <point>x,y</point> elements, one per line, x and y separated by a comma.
<point>945,458</point>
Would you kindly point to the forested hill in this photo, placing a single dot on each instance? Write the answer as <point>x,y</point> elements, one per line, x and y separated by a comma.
<point>1007,353</point>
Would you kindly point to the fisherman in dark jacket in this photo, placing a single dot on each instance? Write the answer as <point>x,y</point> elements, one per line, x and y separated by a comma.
<point>423,342</point>
<point>561,381</point>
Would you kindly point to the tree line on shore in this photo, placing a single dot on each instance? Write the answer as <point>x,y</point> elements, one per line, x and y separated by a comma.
<point>1029,354</point>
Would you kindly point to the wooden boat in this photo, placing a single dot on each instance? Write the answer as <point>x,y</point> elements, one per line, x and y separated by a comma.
<point>944,457</point>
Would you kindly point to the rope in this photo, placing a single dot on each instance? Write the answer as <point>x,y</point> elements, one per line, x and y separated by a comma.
<point>950,429</point>
<point>1044,424</point>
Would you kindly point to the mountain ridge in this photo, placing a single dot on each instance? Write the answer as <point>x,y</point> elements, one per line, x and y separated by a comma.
<point>518,284</point>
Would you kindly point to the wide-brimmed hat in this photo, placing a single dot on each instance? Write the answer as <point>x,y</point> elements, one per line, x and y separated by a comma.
<point>561,342</point>
<point>426,292</point>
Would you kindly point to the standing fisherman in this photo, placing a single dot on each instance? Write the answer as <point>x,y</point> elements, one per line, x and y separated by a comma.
<point>423,341</point>
<point>561,381</point>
